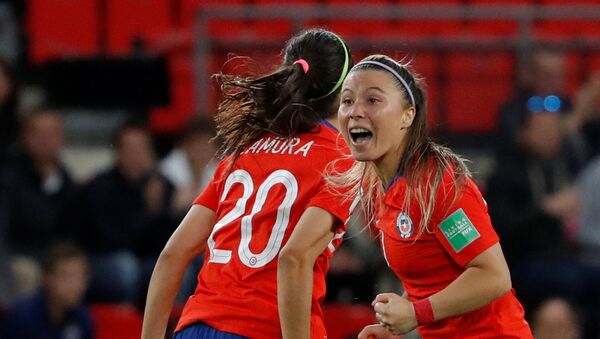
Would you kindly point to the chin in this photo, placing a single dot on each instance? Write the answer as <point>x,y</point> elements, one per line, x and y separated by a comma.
<point>360,156</point>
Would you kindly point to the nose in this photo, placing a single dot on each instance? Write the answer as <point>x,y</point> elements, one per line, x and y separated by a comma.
<point>356,113</point>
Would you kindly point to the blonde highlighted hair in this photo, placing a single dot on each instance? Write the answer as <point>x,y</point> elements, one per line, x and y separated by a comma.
<point>423,162</point>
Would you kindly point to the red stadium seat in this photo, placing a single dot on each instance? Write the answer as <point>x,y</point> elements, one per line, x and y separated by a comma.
<point>168,120</point>
<point>428,67</point>
<point>130,20</point>
<point>273,28</point>
<point>116,321</point>
<point>279,2</point>
<point>576,2</point>
<point>364,2</point>
<point>576,71</point>
<point>415,28</point>
<point>501,2</point>
<point>430,2</point>
<point>566,29</point>
<point>346,321</point>
<point>250,29</point>
<point>493,29</point>
<point>361,28</point>
<point>594,62</point>
<point>477,84</point>
<point>62,28</point>
<point>188,9</point>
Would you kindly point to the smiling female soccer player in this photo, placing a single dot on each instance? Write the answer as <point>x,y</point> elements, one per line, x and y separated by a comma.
<point>435,230</point>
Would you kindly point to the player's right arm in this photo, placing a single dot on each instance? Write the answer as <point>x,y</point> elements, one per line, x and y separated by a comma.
<point>309,239</point>
<point>186,243</point>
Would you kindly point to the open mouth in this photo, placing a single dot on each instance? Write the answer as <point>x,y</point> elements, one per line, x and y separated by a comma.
<point>360,135</point>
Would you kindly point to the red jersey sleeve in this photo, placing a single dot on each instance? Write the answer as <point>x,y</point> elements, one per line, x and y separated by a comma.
<point>209,197</point>
<point>465,230</point>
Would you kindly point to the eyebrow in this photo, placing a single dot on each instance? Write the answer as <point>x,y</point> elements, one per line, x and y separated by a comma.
<point>376,88</point>
<point>369,88</point>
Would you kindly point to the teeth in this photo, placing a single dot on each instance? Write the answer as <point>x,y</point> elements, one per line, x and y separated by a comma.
<point>359,130</point>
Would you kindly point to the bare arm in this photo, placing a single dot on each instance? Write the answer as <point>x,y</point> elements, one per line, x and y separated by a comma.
<point>186,243</point>
<point>295,270</point>
<point>485,278</point>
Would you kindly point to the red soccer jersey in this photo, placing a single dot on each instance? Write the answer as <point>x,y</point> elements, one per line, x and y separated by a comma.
<point>430,262</point>
<point>258,202</point>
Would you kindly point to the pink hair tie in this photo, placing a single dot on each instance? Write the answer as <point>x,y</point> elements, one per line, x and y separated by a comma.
<point>303,63</point>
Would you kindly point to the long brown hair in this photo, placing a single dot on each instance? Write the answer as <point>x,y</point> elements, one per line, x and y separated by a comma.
<point>289,101</point>
<point>423,162</point>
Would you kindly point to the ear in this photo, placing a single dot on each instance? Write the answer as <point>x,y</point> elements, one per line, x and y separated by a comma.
<point>408,116</point>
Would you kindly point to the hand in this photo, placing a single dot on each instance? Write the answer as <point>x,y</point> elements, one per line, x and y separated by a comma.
<point>182,199</point>
<point>395,313</point>
<point>584,104</point>
<point>564,204</point>
<point>376,332</point>
<point>154,194</point>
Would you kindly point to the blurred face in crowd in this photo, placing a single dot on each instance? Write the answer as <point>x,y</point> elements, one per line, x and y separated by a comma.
<point>542,134</point>
<point>43,136</point>
<point>549,72</point>
<point>67,282</point>
<point>374,117</point>
<point>6,86</point>
<point>199,149</point>
<point>556,319</point>
<point>135,155</point>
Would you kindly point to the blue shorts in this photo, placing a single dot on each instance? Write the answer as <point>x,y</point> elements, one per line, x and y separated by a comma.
<point>201,330</point>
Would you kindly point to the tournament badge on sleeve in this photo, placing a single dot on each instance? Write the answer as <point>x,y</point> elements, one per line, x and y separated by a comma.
<point>404,225</point>
<point>459,230</point>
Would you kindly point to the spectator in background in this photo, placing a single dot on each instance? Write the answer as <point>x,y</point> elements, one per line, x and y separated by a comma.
<point>57,311</point>
<point>524,195</point>
<point>541,74</point>
<point>582,200</point>
<point>35,192</point>
<point>542,83</point>
<point>556,319</point>
<point>8,109</point>
<point>127,215</point>
<point>191,165</point>
<point>521,189</point>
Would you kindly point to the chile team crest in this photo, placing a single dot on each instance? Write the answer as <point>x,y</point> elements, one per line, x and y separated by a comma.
<point>404,225</point>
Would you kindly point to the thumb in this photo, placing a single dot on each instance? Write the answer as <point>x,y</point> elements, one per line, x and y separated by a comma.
<point>382,298</point>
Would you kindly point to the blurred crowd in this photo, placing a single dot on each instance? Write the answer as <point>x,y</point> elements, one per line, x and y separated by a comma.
<point>66,243</point>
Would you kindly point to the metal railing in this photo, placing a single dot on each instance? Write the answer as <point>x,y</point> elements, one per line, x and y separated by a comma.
<point>300,15</point>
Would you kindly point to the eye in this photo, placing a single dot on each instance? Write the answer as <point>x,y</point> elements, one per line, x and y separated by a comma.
<point>346,101</point>
<point>373,100</point>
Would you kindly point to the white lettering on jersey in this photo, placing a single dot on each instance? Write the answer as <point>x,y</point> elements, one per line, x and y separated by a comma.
<point>290,146</point>
<point>254,147</point>
<point>267,144</point>
<point>247,257</point>
<point>305,148</point>
<point>282,220</point>
<point>237,177</point>
<point>280,146</point>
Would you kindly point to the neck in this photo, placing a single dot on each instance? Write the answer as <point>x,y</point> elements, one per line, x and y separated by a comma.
<point>56,310</point>
<point>387,166</point>
<point>334,121</point>
<point>46,167</point>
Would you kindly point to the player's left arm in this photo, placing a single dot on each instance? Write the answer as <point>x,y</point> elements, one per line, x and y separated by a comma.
<point>309,239</point>
<point>484,279</point>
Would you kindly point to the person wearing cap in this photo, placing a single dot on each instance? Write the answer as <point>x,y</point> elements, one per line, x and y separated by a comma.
<point>433,223</point>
